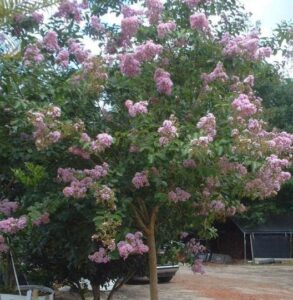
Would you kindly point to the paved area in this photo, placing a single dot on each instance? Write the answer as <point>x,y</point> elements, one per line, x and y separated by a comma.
<point>221,282</point>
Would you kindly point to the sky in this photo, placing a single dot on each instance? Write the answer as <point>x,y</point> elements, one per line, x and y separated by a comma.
<point>269,12</point>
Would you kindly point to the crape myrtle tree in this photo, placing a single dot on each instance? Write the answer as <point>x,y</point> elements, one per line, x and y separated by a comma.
<point>164,122</point>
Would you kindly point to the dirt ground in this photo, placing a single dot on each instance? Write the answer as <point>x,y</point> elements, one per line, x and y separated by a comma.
<point>221,282</point>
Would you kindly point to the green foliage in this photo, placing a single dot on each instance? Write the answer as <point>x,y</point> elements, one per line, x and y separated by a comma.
<point>32,175</point>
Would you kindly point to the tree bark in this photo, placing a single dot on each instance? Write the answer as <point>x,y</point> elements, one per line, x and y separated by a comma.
<point>152,255</point>
<point>96,291</point>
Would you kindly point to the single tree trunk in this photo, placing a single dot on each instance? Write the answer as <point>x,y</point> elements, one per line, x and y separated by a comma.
<point>153,265</point>
<point>96,291</point>
<point>152,255</point>
<point>147,223</point>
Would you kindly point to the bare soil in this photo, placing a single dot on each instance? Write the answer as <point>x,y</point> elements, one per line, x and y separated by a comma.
<point>221,282</point>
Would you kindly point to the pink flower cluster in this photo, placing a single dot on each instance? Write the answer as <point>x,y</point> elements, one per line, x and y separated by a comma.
<point>154,10</point>
<point>226,166</point>
<point>178,195</point>
<point>12,225</point>
<point>269,178</point>
<point>189,164</point>
<point>45,123</point>
<point>247,46</point>
<point>128,11</point>
<point>208,125</point>
<point>137,108</point>
<point>50,41</point>
<point>195,247</point>
<point>140,180</point>
<point>7,207</point>
<point>129,65</point>
<point>77,49</point>
<point>281,142</point>
<point>42,219</point>
<point>100,256</point>
<point>96,23</point>
<point>168,132</point>
<point>79,152</point>
<point>199,21</point>
<point>70,10</point>
<point>105,195</point>
<point>129,27</point>
<point>38,17</point>
<point>249,80</point>
<point>147,51</point>
<point>194,3</point>
<point>3,246</point>
<point>217,74</point>
<point>163,81</point>
<point>217,206</point>
<point>133,244</point>
<point>81,181</point>
<point>102,142</point>
<point>62,58</point>
<point>243,106</point>
<point>164,28</point>
<point>32,55</point>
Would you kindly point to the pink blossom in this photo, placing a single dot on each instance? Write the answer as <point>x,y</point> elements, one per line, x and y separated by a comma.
<point>98,172</point>
<point>269,178</point>
<point>154,10</point>
<point>96,23</point>
<point>245,45</point>
<point>129,65</point>
<point>53,112</point>
<point>217,206</point>
<point>69,10</point>
<point>12,225</point>
<point>50,41</point>
<point>42,219</point>
<point>7,207</point>
<point>208,125</point>
<point>137,108</point>
<point>199,21</point>
<point>84,137</point>
<point>32,55</point>
<point>129,27</point>
<point>163,82</point>
<point>133,244</point>
<point>38,17</point>
<point>217,74</point>
<point>103,141</point>
<point>104,193</point>
<point>63,58</point>
<point>164,28</point>
<point>194,3</point>
<point>147,51</point>
<point>77,49</point>
<point>140,180</point>
<point>100,256</point>
<point>243,106</point>
<point>178,195</point>
<point>128,11</point>
<point>167,132</point>
<point>54,136</point>
<point>249,80</point>
<point>79,152</point>
<point>189,164</point>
